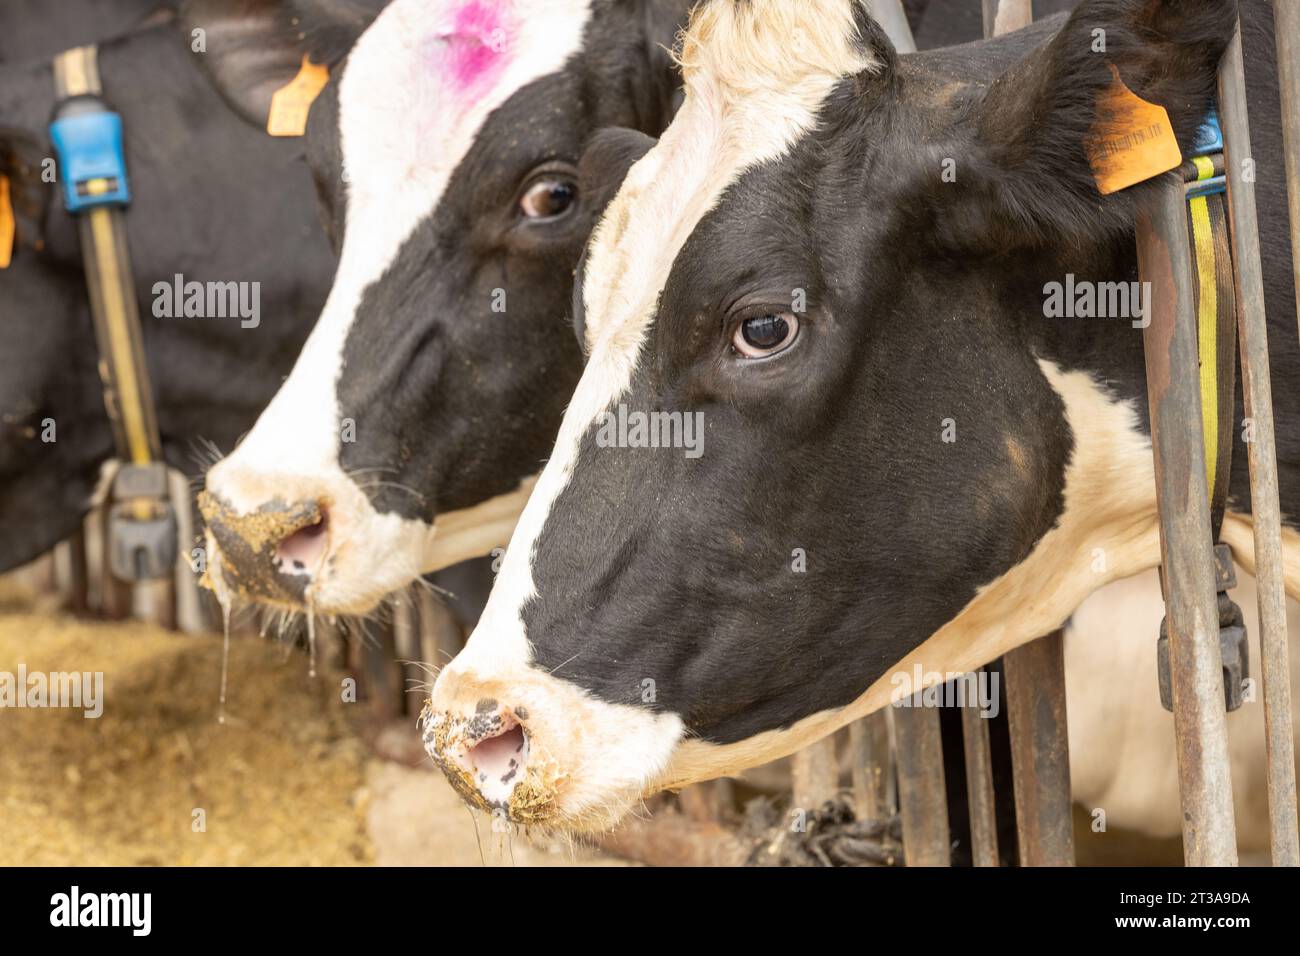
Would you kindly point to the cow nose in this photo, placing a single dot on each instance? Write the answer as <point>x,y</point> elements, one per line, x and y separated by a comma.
<point>497,759</point>
<point>484,751</point>
<point>270,552</point>
<point>302,551</point>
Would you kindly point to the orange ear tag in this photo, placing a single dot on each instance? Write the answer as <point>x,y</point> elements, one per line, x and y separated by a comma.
<point>1134,140</point>
<point>291,103</point>
<point>6,224</point>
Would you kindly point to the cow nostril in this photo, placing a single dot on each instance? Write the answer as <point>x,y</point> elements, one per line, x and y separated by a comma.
<point>303,551</point>
<point>497,762</point>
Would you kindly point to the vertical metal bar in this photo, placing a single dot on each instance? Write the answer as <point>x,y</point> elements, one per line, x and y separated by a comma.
<point>1173,387</point>
<point>378,653</point>
<point>979,776</point>
<point>440,636</point>
<point>1035,673</point>
<point>872,767</point>
<point>71,575</point>
<point>1003,16</point>
<point>1040,755</point>
<point>189,602</point>
<point>893,19</point>
<point>708,802</point>
<point>1286,21</point>
<point>816,774</point>
<point>1265,506</point>
<point>922,800</point>
<point>406,645</point>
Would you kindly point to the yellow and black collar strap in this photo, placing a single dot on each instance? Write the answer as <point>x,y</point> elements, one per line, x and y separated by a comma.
<point>1216,315</point>
<point>87,137</point>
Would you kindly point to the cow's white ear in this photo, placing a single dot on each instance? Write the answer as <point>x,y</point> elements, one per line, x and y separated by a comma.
<point>252,48</point>
<point>1030,162</point>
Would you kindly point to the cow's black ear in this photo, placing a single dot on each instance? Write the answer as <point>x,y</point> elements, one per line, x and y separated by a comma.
<point>1029,176</point>
<point>662,22</point>
<point>607,156</point>
<point>251,48</point>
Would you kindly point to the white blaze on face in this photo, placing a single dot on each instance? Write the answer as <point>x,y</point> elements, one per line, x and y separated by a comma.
<point>417,88</point>
<point>756,75</point>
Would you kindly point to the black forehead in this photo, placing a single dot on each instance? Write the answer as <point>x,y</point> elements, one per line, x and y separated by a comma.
<point>846,196</point>
<point>775,228</point>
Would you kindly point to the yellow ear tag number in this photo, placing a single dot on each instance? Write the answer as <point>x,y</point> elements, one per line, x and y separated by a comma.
<point>291,103</point>
<point>1133,140</point>
<point>6,224</point>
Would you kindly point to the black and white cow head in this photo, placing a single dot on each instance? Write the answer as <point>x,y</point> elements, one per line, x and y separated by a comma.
<point>882,455</point>
<point>445,149</point>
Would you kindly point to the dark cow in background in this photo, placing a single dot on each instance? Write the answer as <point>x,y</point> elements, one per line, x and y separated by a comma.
<point>215,200</point>
<point>38,29</point>
<point>647,629</point>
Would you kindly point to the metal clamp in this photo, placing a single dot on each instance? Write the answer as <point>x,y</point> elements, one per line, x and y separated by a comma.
<point>1234,648</point>
<point>142,524</point>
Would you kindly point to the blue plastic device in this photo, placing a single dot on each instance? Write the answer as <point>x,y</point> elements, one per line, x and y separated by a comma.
<point>88,139</point>
<point>1209,140</point>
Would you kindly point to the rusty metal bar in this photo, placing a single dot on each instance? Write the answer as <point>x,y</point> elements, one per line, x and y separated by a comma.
<point>893,20</point>
<point>1003,16</point>
<point>1173,388</point>
<point>815,774</point>
<point>71,574</point>
<point>1040,752</point>
<point>979,777</point>
<point>1035,673</point>
<point>1286,21</point>
<point>1265,505</point>
<point>922,799</point>
<point>872,768</point>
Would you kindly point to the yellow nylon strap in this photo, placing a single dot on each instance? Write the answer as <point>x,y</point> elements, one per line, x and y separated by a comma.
<point>76,73</point>
<point>1207,319</point>
<point>112,281</point>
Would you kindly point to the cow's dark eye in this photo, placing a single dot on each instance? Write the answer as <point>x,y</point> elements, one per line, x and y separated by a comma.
<point>765,335</point>
<point>548,197</point>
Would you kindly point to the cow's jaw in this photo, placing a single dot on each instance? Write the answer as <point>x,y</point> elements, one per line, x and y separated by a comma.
<point>417,88</point>
<point>1108,531</point>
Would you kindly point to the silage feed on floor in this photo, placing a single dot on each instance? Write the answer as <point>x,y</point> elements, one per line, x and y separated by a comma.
<point>282,782</point>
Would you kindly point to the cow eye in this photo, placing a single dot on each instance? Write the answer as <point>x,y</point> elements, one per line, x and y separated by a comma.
<point>765,335</point>
<point>548,197</point>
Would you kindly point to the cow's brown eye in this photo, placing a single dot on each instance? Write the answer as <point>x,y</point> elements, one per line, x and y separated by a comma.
<point>765,335</point>
<point>548,198</point>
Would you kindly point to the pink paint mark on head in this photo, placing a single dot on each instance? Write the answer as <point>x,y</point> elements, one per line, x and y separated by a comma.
<point>475,43</point>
